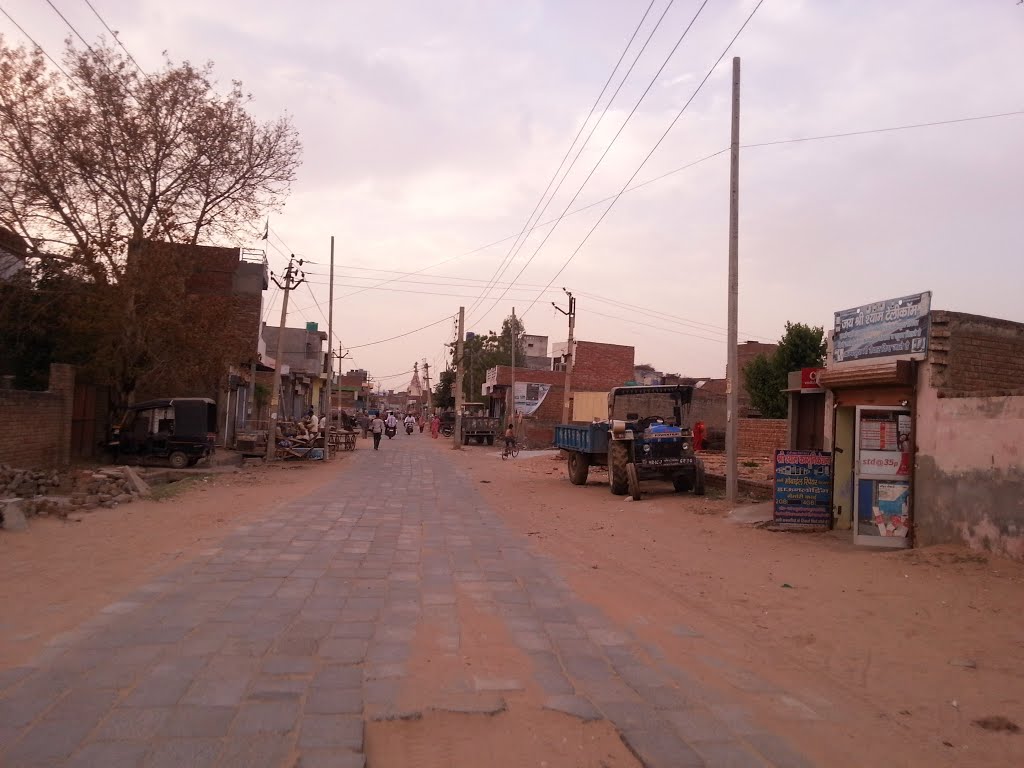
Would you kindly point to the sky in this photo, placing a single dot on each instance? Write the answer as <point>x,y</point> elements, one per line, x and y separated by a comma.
<point>431,131</point>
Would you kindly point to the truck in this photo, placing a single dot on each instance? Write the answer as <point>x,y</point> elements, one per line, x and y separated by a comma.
<point>646,436</point>
<point>477,425</point>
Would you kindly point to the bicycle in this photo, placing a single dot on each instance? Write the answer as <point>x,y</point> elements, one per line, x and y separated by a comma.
<point>510,450</point>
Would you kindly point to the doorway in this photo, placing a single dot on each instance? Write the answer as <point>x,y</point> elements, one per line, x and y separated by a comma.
<point>843,455</point>
<point>882,469</point>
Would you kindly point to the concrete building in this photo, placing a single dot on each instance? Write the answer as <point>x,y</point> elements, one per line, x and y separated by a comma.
<point>303,367</point>
<point>13,252</point>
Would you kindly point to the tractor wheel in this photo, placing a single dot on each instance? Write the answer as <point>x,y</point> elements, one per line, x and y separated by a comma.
<point>698,486</point>
<point>634,482</point>
<point>681,483</point>
<point>490,439</point>
<point>618,458</point>
<point>465,439</point>
<point>178,460</point>
<point>579,467</point>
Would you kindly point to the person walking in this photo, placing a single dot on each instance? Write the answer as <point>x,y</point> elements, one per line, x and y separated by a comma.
<point>435,426</point>
<point>377,428</point>
<point>364,424</point>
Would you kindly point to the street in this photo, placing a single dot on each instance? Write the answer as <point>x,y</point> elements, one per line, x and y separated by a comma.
<point>403,613</point>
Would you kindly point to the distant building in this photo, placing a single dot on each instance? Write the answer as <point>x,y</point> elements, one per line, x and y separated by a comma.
<point>303,367</point>
<point>13,252</point>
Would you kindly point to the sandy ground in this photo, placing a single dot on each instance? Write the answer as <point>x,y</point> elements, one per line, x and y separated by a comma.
<point>59,573</point>
<point>889,657</point>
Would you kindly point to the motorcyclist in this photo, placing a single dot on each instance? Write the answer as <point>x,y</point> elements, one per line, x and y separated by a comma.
<point>410,423</point>
<point>391,423</point>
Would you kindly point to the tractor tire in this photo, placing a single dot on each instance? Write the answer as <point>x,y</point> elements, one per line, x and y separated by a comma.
<point>178,460</point>
<point>490,439</point>
<point>699,488</point>
<point>579,467</point>
<point>681,483</point>
<point>465,439</point>
<point>618,458</point>
<point>634,482</point>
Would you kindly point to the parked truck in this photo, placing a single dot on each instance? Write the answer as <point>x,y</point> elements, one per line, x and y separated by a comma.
<point>646,435</point>
<point>477,425</point>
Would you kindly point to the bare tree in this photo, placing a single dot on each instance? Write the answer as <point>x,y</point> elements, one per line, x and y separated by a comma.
<point>94,166</point>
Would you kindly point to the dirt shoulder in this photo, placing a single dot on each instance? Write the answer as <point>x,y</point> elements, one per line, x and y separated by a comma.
<point>60,572</point>
<point>893,655</point>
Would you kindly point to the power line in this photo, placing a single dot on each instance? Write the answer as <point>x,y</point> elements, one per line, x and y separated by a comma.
<point>657,144</point>
<point>444,319</point>
<point>461,280</point>
<point>656,327</point>
<point>618,133</point>
<point>38,46</point>
<point>509,257</point>
<point>70,25</point>
<point>117,39</point>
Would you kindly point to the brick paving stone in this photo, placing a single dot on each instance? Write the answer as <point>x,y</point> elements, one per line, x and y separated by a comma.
<point>132,724</point>
<point>334,701</point>
<point>176,753</point>
<point>288,665</point>
<point>577,706</point>
<point>266,717</point>
<point>661,747</point>
<point>330,758</point>
<point>48,743</point>
<point>334,731</point>
<point>777,751</point>
<point>698,724</point>
<point>254,751</point>
<point>108,755</point>
<point>343,650</point>
<point>725,754</point>
<point>186,722</point>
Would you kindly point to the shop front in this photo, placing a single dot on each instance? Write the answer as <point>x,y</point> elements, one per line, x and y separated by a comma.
<point>870,386</point>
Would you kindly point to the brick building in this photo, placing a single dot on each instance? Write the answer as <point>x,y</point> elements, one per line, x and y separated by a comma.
<point>746,353</point>
<point>37,425</point>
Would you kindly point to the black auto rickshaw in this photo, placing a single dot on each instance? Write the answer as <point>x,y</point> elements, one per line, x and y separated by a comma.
<point>182,430</point>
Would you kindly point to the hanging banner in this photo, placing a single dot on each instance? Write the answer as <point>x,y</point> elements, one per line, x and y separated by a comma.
<point>894,327</point>
<point>529,397</point>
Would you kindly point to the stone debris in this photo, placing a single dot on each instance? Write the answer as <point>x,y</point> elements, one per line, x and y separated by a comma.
<point>41,493</point>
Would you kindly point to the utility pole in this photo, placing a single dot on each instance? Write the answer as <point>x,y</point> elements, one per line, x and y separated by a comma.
<point>570,356</point>
<point>460,369</point>
<point>733,384</point>
<point>290,283</point>
<point>512,397</point>
<point>330,358</point>
<point>426,383</point>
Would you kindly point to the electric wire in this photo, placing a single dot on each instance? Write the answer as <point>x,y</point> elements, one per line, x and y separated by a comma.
<point>657,144</point>
<point>618,133</point>
<point>513,251</point>
<point>444,319</point>
<point>38,46</point>
<point>114,35</point>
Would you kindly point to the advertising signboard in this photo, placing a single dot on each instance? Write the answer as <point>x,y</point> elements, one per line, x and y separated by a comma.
<point>803,488</point>
<point>529,397</point>
<point>810,379</point>
<point>894,327</point>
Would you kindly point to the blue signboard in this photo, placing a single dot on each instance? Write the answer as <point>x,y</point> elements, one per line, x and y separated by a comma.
<point>894,327</point>
<point>803,488</point>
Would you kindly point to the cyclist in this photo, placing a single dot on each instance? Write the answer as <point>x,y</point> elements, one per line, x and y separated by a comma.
<point>510,439</point>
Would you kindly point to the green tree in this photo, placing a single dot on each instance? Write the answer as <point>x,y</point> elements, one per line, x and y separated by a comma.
<point>444,390</point>
<point>801,346</point>
<point>483,352</point>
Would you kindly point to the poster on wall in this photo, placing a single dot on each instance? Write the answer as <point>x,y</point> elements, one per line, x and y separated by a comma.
<point>529,397</point>
<point>885,444</point>
<point>803,489</point>
<point>894,327</point>
<point>883,508</point>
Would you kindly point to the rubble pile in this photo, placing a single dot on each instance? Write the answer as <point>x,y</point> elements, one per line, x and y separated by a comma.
<point>50,492</point>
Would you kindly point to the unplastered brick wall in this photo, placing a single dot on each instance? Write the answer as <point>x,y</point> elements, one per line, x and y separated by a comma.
<point>37,425</point>
<point>599,367</point>
<point>760,437</point>
<point>971,355</point>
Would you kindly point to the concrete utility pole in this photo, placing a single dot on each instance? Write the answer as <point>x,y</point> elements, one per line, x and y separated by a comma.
<point>570,357</point>
<point>733,384</point>
<point>330,358</point>
<point>426,383</point>
<point>290,283</point>
<point>460,369</point>
<point>512,397</point>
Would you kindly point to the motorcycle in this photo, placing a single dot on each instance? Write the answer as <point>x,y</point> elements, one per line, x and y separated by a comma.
<point>408,429</point>
<point>390,431</point>
<point>447,430</point>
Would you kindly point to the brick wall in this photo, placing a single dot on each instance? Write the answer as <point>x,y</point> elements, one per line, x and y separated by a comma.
<point>538,430</point>
<point>599,367</point>
<point>760,437</point>
<point>972,355</point>
<point>37,425</point>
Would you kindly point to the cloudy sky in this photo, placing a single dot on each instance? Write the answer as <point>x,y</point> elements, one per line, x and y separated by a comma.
<point>431,130</point>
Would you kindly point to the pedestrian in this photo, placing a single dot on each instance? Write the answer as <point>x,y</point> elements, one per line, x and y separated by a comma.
<point>435,426</point>
<point>364,424</point>
<point>377,428</point>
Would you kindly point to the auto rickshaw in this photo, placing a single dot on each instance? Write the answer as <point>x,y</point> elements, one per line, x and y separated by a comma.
<point>182,430</point>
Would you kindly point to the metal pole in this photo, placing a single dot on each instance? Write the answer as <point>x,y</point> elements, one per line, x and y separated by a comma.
<point>430,393</point>
<point>275,394</point>
<point>460,369</point>
<point>733,384</point>
<point>330,357</point>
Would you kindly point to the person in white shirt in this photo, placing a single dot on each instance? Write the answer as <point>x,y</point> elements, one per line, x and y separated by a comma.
<point>391,422</point>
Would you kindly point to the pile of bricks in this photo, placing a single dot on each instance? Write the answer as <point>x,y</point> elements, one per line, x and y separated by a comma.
<point>26,483</point>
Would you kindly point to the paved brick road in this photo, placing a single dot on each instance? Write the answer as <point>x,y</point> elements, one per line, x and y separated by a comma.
<point>273,649</point>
